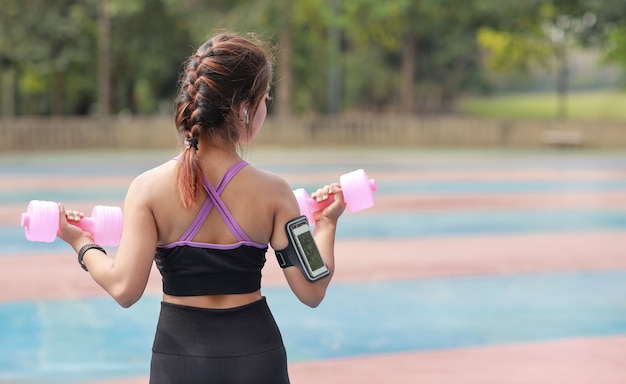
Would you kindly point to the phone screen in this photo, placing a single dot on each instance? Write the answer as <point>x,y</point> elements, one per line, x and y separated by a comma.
<point>309,259</point>
<point>310,250</point>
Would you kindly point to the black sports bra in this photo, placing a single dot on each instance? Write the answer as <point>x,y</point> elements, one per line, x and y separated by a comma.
<point>190,268</point>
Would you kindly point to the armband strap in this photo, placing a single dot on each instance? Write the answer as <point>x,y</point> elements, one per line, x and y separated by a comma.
<point>84,249</point>
<point>286,256</point>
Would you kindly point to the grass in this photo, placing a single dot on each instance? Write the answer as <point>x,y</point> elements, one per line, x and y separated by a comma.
<point>607,106</point>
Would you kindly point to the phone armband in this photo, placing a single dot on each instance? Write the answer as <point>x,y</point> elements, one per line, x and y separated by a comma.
<point>302,251</point>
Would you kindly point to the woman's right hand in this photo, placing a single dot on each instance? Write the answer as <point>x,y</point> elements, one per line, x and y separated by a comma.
<point>334,210</point>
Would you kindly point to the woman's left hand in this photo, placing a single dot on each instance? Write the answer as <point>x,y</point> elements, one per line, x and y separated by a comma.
<point>69,231</point>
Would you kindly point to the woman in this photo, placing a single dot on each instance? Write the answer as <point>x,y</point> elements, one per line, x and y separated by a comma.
<point>206,218</point>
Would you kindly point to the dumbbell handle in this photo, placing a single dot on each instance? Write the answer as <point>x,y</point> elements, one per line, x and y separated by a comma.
<point>315,205</point>
<point>312,205</point>
<point>87,224</point>
<point>357,192</point>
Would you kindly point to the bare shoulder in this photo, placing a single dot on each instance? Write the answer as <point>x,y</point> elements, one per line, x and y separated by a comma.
<point>271,182</point>
<point>277,195</point>
<point>152,180</point>
<point>270,191</point>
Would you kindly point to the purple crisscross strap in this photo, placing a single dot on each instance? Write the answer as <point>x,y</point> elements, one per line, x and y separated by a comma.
<point>212,200</point>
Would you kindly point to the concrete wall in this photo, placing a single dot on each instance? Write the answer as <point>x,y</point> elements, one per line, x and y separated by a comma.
<point>444,131</point>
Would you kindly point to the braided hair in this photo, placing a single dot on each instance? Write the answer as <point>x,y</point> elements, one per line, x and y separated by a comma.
<point>225,72</point>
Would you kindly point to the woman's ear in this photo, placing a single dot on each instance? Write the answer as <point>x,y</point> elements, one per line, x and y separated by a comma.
<point>245,111</point>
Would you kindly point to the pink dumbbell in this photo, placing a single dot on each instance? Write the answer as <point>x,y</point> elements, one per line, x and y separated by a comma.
<point>41,223</point>
<point>358,193</point>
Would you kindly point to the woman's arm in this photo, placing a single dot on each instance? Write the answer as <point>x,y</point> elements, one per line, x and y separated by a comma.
<point>124,277</point>
<point>311,293</point>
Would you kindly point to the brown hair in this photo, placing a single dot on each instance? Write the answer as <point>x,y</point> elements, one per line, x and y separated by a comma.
<point>225,71</point>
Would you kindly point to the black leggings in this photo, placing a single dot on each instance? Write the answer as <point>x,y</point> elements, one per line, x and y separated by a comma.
<point>235,345</point>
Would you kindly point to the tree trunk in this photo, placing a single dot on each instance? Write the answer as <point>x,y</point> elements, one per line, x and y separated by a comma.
<point>104,60</point>
<point>407,100</point>
<point>284,76</point>
<point>8,92</point>
<point>58,94</point>
<point>562,84</point>
<point>334,75</point>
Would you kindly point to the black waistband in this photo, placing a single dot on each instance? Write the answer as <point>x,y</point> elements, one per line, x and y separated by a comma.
<point>200,332</point>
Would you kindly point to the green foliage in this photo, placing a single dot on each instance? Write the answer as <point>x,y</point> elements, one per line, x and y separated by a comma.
<point>144,60</point>
<point>42,40</point>
<point>372,22</point>
<point>51,46</point>
<point>616,47</point>
<point>509,51</point>
<point>32,83</point>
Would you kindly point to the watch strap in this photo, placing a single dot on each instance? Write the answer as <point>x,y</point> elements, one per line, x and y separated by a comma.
<point>85,248</point>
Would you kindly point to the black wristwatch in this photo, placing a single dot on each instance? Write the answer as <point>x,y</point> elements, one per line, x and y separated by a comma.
<point>84,249</point>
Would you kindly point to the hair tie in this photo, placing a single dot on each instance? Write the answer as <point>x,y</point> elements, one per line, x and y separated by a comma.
<point>192,142</point>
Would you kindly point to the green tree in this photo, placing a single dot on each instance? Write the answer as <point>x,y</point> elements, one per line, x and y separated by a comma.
<point>616,46</point>
<point>148,44</point>
<point>541,33</point>
<point>426,49</point>
<point>408,56</point>
<point>41,41</point>
<point>610,30</point>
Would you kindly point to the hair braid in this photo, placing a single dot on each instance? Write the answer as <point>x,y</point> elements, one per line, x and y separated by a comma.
<point>223,73</point>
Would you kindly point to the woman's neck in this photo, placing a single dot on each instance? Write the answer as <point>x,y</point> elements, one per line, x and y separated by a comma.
<point>212,152</point>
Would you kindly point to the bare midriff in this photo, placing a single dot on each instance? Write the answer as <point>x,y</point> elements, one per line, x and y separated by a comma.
<point>214,301</point>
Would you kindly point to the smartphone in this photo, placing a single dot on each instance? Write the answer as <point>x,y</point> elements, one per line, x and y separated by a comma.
<point>309,256</point>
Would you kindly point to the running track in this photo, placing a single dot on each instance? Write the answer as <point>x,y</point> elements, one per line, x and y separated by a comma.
<point>473,267</point>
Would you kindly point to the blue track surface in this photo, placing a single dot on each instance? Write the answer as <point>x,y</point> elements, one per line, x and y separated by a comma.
<point>65,340</point>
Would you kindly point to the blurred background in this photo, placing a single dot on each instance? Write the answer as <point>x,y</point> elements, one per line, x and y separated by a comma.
<point>426,72</point>
<point>495,129</point>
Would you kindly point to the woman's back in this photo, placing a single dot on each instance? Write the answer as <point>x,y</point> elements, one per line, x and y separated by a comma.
<point>240,214</point>
<point>251,196</point>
